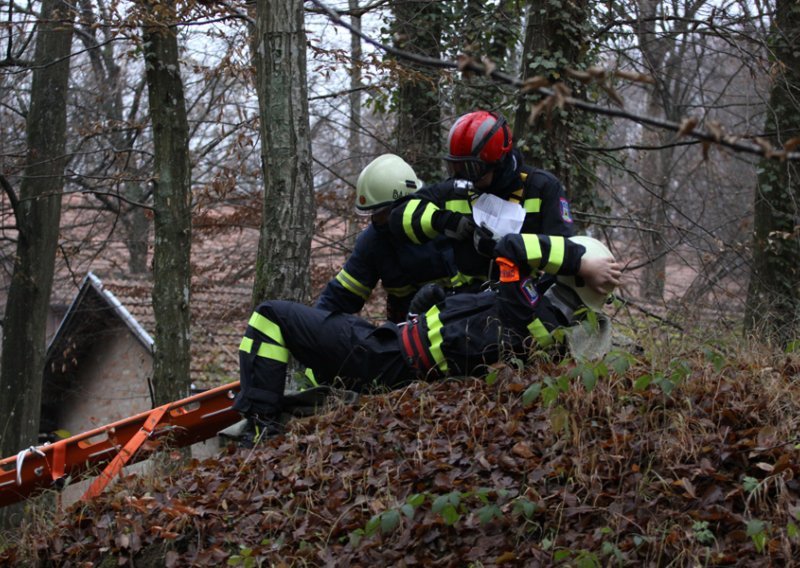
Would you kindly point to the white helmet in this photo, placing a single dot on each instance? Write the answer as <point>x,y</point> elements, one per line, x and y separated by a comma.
<point>386,178</point>
<point>594,249</point>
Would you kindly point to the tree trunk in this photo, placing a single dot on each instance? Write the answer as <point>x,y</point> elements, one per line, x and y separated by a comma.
<point>38,215</point>
<point>287,222</point>
<point>172,204</point>
<point>417,28</point>
<point>555,38</point>
<point>773,297</point>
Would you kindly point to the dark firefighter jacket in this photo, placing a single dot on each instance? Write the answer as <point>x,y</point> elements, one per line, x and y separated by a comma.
<point>415,219</point>
<point>402,268</point>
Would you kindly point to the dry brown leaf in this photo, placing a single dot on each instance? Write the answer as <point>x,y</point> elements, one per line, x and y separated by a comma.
<point>534,83</point>
<point>687,125</point>
<point>613,95</point>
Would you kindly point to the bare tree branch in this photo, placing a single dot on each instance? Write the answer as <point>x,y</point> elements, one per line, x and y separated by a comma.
<point>715,134</point>
<point>12,197</point>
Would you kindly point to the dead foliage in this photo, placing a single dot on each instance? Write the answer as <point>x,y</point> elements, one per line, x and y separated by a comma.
<point>537,467</point>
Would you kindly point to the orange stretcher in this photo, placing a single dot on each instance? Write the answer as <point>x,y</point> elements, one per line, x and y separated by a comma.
<point>180,423</point>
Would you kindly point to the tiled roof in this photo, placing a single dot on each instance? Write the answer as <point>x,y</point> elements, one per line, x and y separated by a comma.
<point>219,315</point>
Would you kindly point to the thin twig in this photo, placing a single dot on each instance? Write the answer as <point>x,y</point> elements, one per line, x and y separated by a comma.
<point>471,65</point>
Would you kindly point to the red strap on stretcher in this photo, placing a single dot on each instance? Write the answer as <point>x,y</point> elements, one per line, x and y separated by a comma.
<point>125,454</point>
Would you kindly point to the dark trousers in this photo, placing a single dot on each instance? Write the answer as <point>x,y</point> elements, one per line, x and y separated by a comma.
<point>340,348</point>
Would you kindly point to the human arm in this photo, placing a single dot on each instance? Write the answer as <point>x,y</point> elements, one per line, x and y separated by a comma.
<point>426,214</point>
<point>353,284</point>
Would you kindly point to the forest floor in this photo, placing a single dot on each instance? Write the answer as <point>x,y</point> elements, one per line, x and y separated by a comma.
<point>687,457</point>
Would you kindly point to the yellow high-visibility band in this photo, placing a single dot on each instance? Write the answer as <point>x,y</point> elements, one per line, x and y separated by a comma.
<point>310,376</point>
<point>533,205</point>
<point>533,250</point>
<point>556,258</point>
<point>435,338</point>
<point>458,205</point>
<point>353,285</point>
<point>266,350</point>
<point>268,328</point>
<point>425,221</point>
<point>408,225</point>
<point>540,333</point>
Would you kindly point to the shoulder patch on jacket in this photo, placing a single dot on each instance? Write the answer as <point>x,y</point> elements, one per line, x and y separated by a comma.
<point>566,215</point>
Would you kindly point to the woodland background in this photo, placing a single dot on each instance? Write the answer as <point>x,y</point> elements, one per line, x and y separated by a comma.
<point>221,141</point>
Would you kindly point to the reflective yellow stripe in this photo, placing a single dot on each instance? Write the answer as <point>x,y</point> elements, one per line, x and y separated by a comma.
<point>435,338</point>
<point>266,327</point>
<point>353,285</point>
<point>540,333</point>
<point>400,291</point>
<point>460,279</point>
<point>408,225</point>
<point>516,197</point>
<point>556,258</point>
<point>310,376</point>
<point>459,206</point>
<point>533,250</point>
<point>533,205</point>
<point>266,350</point>
<point>425,221</point>
<point>523,176</point>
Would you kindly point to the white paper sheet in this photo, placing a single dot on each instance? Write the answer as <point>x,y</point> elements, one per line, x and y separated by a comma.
<point>501,217</point>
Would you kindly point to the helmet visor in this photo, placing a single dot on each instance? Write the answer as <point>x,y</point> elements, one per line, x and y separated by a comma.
<point>470,170</point>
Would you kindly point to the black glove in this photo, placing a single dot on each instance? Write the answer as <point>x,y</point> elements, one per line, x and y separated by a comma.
<point>484,242</point>
<point>454,225</point>
<point>425,298</point>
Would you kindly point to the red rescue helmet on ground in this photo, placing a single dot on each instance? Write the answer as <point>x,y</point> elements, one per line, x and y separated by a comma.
<point>477,142</point>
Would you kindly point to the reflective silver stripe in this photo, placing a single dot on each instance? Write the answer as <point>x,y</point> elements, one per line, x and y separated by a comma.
<point>353,285</point>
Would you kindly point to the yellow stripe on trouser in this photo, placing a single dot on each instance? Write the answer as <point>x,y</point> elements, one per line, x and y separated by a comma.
<point>540,333</point>
<point>265,326</point>
<point>556,258</point>
<point>435,338</point>
<point>266,350</point>
<point>352,285</point>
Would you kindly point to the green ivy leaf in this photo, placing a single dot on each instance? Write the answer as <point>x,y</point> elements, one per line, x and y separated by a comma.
<point>372,525</point>
<point>525,507</point>
<point>531,394</point>
<point>390,521</point>
<point>489,512</point>
<point>549,395</point>
<point>416,499</point>
<point>642,382</point>
<point>450,515</point>
<point>491,378</point>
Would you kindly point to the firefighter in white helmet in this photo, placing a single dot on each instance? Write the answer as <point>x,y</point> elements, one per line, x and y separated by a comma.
<point>401,267</point>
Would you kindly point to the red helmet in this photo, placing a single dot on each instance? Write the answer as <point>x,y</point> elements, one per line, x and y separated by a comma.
<point>477,142</point>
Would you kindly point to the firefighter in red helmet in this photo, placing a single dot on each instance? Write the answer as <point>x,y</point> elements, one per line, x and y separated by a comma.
<point>478,143</point>
<point>482,160</point>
